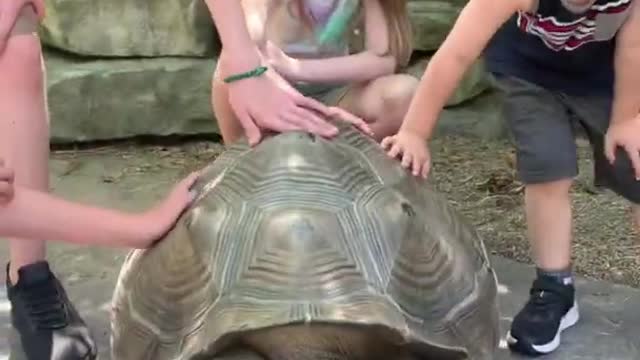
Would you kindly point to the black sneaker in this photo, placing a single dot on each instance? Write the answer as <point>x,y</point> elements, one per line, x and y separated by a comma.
<point>551,309</point>
<point>48,325</point>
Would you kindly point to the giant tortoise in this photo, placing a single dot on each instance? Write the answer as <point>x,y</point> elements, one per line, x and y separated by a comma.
<point>305,248</point>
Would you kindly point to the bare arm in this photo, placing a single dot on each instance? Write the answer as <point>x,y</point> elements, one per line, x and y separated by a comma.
<point>362,66</point>
<point>474,28</point>
<point>626,102</point>
<point>230,23</point>
<point>32,214</point>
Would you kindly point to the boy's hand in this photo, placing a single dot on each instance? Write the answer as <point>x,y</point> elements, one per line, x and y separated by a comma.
<point>6,183</point>
<point>9,12</point>
<point>626,134</point>
<point>412,149</point>
<point>157,222</point>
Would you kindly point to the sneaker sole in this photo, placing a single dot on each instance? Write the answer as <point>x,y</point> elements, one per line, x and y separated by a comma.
<point>571,318</point>
<point>17,352</point>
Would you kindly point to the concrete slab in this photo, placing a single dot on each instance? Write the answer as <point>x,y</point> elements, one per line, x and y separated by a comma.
<point>607,330</point>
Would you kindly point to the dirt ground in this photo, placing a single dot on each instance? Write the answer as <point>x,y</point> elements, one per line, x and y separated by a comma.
<point>479,179</point>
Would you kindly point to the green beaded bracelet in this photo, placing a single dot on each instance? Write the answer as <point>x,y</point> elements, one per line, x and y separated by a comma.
<point>253,73</point>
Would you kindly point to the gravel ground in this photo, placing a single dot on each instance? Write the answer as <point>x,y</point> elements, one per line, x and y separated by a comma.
<point>479,179</point>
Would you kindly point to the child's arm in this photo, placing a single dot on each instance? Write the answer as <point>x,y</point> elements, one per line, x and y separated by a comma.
<point>363,66</point>
<point>261,102</point>
<point>37,215</point>
<point>626,102</point>
<point>230,23</point>
<point>476,25</point>
<point>624,128</point>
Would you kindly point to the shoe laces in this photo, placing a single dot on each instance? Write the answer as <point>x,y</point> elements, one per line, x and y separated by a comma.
<point>546,296</point>
<point>45,306</point>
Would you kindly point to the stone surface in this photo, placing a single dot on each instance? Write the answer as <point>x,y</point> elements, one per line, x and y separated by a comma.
<point>184,27</point>
<point>130,28</point>
<point>432,20</point>
<point>109,99</point>
<point>607,330</point>
<point>93,100</point>
<point>475,81</point>
<point>474,109</point>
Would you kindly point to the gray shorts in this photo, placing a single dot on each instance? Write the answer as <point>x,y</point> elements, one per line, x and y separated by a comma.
<point>542,123</point>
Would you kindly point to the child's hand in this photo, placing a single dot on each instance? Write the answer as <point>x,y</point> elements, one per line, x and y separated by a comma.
<point>413,150</point>
<point>6,183</point>
<point>158,221</point>
<point>346,116</point>
<point>625,134</point>
<point>282,63</point>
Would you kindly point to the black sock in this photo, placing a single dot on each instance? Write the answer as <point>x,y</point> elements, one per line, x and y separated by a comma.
<point>563,277</point>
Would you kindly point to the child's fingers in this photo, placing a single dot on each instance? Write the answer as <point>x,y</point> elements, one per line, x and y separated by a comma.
<point>609,149</point>
<point>354,120</point>
<point>395,150</point>
<point>425,169</point>
<point>634,156</point>
<point>251,130</point>
<point>406,159</point>
<point>6,175</point>
<point>6,191</point>
<point>387,142</point>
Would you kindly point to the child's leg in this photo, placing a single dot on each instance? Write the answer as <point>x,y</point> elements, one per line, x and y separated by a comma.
<point>228,123</point>
<point>47,322</point>
<point>547,164</point>
<point>24,133</point>
<point>382,102</point>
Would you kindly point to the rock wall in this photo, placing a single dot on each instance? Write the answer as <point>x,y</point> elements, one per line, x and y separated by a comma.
<point>118,69</point>
<point>125,28</point>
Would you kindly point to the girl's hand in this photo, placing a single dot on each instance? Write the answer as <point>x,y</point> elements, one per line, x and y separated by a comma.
<point>6,183</point>
<point>412,149</point>
<point>157,222</point>
<point>285,65</point>
<point>269,102</point>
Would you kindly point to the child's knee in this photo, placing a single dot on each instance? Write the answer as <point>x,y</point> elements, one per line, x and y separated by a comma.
<point>397,94</point>
<point>551,189</point>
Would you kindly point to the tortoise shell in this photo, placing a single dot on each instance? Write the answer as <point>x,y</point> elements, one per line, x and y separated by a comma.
<point>309,248</point>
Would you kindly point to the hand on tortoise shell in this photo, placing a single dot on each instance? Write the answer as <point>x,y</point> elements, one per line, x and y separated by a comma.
<point>348,117</point>
<point>411,149</point>
<point>157,222</point>
<point>268,102</point>
<point>9,12</point>
<point>6,183</point>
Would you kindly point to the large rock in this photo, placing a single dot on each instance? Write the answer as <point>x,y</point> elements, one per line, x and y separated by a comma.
<point>432,20</point>
<point>130,28</point>
<point>475,107</point>
<point>123,98</point>
<point>110,99</point>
